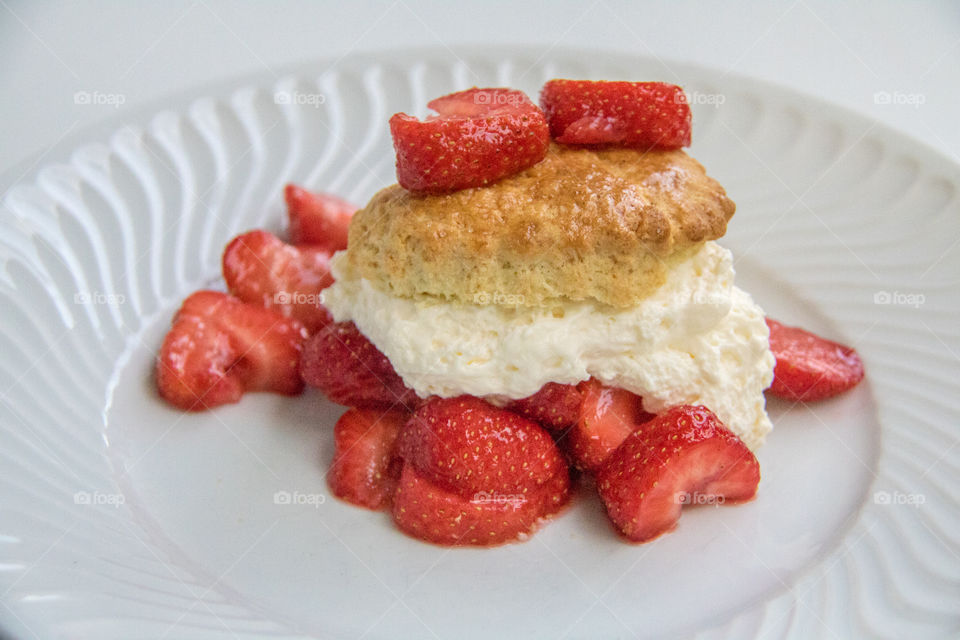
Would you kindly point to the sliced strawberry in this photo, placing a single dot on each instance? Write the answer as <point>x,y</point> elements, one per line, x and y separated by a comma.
<point>429,512</point>
<point>683,456</point>
<point>320,220</point>
<point>262,269</point>
<point>555,406</point>
<point>479,137</point>
<point>365,466</point>
<point>810,367</point>
<point>350,370</point>
<point>219,347</point>
<point>468,446</point>
<point>640,115</point>
<point>607,416</point>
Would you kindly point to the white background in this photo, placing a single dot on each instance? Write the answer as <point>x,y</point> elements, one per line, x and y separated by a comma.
<point>142,52</point>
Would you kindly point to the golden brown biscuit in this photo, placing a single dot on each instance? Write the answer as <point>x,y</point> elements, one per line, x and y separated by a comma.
<point>582,224</point>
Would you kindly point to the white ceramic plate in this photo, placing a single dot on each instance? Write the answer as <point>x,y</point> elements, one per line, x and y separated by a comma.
<point>123,518</point>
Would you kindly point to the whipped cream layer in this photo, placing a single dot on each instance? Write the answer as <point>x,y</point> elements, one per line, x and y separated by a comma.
<point>697,340</point>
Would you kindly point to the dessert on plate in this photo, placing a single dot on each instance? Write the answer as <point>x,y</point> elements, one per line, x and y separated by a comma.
<point>541,300</point>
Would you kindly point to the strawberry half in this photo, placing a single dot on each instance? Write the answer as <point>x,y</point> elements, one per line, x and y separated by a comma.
<point>683,456</point>
<point>640,115</point>
<point>350,370</point>
<point>219,347</point>
<point>365,466</point>
<point>479,137</point>
<point>320,220</point>
<point>262,269</point>
<point>555,406</point>
<point>429,512</point>
<point>469,446</point>
<point>810,367</point>
<point>606,417</point>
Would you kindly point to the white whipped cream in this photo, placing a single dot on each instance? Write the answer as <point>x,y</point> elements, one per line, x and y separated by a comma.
<point>697,340</point>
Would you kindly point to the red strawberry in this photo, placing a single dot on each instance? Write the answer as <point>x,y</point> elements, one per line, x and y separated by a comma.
<point>554,406</point>
<point>810,367</point>
<point>469,446</point>
<point>220,347</point>
<point>350,370</point>
<point>479,137</point>
<point>320,220</point>
<point>683,456</point>
<point>365,466</point>
<point>607,416</point>
<point>640,115</point>
<point>262,269</point>
<point>427,511</point>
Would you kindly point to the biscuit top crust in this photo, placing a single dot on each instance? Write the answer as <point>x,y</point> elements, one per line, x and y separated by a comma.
<point>582,224</point>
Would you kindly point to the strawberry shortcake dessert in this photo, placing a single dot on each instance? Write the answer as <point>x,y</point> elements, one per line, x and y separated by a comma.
<point>541,300</point>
